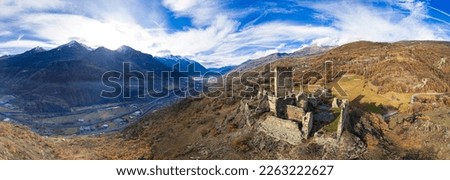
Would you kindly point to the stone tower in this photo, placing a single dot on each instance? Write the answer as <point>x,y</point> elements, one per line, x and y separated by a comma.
<point>283,82</point>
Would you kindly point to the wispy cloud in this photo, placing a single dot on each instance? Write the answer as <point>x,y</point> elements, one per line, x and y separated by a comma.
<point>358,21</point>
<point>217,34</point>
<point>202,12</point>
<point>24,44</point>
<point>10,8</point>
<point>5,33</point>
<point>440,11</point>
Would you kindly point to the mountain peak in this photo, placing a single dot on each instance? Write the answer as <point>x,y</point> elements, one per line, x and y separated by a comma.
<point>37,49</point>
<point>178,58</point>
<point>74,44</point>
<point>125,49</point>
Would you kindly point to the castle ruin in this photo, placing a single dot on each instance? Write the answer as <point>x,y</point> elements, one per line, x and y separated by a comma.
<point>283,82</point>
<point>293,116</point>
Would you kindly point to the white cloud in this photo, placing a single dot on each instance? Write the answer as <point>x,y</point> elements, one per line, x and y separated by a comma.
<point>265,38</point>
<point>203,12</point>
<point>24,44</point>
<point>60,29</point>
<point>357,21</point>
<point>181,5</point>
<point>148,13</point>
<point>216,38</point>
<point>440,11</point>
<point>5,33</point>
<point>196,40</point>
<point>13,7</point>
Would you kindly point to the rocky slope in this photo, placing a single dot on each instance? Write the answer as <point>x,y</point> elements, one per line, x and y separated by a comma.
<point>217,129</point>
<point>406,67</point>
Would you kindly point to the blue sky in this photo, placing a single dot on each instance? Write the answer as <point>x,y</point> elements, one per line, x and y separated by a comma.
<point>217,32</point>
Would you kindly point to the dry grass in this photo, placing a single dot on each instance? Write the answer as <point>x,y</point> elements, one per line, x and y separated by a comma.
<point>333,126</point>
<point>18,142</point>
<point>362,92</point>
<point>241,143</point>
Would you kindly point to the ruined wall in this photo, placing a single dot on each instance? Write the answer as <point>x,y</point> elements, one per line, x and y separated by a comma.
<point>294,113</point>
<point>335,104</point>
<point>281,129</point>
<point>303,104</point>
<point>283,81</point>
<point>272,103</point>
<point>279,105</point>
<point>307,124</point>
<point>261,93</point>
<point>343,119</point>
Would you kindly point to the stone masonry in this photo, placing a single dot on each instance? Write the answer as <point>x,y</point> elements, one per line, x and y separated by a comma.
<point>343,118</point>
<point>279,105</point>
<point>295,113</point>
<point>334,104</point>
<point>282,130</point>
<point>283,81</point>
<point>307,124</point>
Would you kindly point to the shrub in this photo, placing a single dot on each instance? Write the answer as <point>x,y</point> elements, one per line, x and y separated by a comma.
<point>241,143</point>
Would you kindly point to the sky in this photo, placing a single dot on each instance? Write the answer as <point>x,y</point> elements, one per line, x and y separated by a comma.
<point>217,32</point>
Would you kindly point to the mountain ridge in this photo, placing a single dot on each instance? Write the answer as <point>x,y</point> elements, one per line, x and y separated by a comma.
<point>70,75</point>
<point>303,52</point>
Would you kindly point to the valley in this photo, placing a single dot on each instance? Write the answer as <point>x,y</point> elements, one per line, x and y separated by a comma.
<point>91,120</point>
<point>59,91</point>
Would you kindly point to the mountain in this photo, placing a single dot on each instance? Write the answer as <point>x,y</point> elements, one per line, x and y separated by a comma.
<point>222,70</point>
<point>172,60</point>
<point>70,75</point>
<point>35,50</point>
<point>4,57</point>
<point>306,51</point>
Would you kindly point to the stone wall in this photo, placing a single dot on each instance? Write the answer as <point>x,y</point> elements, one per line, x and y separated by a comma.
<point>303,104</point>
<point>283,81</point>
<point>279,105</point>
<point>281,129</point>
<point>294,113</point>
<point>272,103</point>
<point>307,124</point>
<point>343,118</point>
<point>335,103</point>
